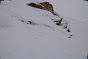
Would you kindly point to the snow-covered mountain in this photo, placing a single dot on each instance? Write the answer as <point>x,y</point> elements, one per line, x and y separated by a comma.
<point>43,39</point>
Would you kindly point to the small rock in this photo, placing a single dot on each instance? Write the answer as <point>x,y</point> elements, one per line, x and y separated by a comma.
<point>68,30</point>
<point>59,23</point>
<point>65,27</point>
<point>70,36</point>
<point>29,22</point>
<point>56,21</point>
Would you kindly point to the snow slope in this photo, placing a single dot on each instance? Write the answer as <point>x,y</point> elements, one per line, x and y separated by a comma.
<point>43,39</point>
<point>75,9</point>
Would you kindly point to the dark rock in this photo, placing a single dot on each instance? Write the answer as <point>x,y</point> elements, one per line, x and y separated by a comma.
<point>35,5</point>
<point>31,4</point>
<point>68,30</point>
<point>29,22</point>
<point>44,5</point>
<point>59,23</point>
<point>70,36</point>
<point>56,21</point>
<point>47,6</point>
<point>65,27</point>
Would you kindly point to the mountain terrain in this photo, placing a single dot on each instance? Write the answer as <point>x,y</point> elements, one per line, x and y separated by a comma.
<point>27,32</point>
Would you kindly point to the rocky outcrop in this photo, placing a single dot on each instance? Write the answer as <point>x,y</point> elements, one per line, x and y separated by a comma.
<point>44,5</point>
<point>35,5</point>
<point>47,6</point>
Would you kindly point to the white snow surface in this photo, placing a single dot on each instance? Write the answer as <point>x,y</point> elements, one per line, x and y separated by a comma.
<point>43,39</point>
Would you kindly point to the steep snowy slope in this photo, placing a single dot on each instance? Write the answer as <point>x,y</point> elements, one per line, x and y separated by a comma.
<point>75,9</point>
<point>5,20</point>
<point>42,39</point>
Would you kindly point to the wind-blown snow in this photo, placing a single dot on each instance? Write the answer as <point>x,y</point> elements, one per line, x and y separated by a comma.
<point>43,39</point>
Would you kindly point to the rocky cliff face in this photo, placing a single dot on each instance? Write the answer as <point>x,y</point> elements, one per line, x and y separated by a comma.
<point>44,5</point>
